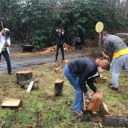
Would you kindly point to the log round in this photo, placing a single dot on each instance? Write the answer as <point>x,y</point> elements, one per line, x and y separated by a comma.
<point>23,77</point>
<point>58,87</point>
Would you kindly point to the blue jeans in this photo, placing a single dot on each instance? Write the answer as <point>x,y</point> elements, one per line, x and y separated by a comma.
<point>7,58</point>
<point>78,101</point>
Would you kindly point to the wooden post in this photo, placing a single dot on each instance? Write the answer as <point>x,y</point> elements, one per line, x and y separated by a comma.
<point>58,87</point>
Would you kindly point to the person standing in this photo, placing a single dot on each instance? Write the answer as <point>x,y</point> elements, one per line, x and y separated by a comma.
<point>4,47</point>
<point>117,52</point>
<point>59,43</point>
<point>80,71</point>
<point>77,41</point>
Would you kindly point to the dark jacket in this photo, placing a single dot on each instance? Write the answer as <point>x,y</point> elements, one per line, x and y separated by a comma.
<point>59,38</point>
<point>82,68</point>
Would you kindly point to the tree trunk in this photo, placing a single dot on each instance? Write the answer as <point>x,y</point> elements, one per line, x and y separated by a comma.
<point>116,121</point>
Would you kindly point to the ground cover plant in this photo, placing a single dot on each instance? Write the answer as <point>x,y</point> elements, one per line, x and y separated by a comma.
<point>42,110</point>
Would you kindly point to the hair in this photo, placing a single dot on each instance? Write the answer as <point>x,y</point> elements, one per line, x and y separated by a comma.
<point>104,33</point>
<point>103,63</point>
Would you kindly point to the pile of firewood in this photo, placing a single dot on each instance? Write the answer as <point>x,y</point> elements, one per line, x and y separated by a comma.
<point>66,48</point>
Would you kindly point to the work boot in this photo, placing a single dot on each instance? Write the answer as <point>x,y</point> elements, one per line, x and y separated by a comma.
<point>88,95</point>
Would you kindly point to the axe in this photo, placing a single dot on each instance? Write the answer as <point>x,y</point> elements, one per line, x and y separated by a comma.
<point>84,102</point>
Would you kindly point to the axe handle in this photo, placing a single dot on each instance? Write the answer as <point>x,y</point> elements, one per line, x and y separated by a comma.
<point>2,24</point>
<point>84,102</point>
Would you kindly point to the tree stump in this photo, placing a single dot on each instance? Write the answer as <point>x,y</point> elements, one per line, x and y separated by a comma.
<point>58,87</point>
<point>24,78</point>
<point>95,105</point>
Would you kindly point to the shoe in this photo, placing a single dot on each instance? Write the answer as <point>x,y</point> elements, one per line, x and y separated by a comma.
<point>79,113</point>
<point>10,73</point>
<point>115,89</point>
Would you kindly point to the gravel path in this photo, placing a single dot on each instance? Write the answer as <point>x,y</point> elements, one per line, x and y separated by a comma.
<point>37,60</point>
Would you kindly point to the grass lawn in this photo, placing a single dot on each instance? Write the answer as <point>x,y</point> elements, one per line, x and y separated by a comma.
<point>42,110</point>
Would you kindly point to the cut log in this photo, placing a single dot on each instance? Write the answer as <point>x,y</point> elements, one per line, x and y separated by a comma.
<point>23,76</point>
<point>100,80</point>
<point>116,121</point>
<point>103,110</point>
<point>58,70</point>
<point>11,102</point>
<point>95,105</point>
<point>58,87</point>
<point>30,86</point>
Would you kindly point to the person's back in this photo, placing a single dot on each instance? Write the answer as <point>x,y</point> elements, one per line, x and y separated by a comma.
<point>115,43</point>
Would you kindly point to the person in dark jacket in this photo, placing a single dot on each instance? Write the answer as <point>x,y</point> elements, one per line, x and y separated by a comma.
<point>59,43</point>
<point>117,51</point>
<point>80,71</point>
<point>77,41</point>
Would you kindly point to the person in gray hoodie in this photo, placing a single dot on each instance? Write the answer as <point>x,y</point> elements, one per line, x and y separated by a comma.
<point>117,52</point>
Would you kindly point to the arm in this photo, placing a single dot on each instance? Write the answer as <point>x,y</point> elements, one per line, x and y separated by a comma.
<point>91,85</point>
<point>2,31</point>
<point>8,42</point>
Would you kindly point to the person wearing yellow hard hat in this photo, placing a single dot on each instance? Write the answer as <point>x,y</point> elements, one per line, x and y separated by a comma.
<point>117,51</point>
<point>4,47</point>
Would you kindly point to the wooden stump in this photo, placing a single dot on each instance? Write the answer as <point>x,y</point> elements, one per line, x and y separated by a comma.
<point>116,121</point>
<point>24,77</point>
<point>95,105</point>
<point>100,80</point>
<point>58,87</point>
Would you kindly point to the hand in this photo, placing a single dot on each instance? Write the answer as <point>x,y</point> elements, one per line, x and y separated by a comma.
<point>88,95</point>
<point>57,30</point>
<point>104,55</point>
<point>6,44</point>
<point>3,31</point>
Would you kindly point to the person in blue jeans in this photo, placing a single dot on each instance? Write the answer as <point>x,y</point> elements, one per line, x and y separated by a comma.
<point>4,47</point>
<point>80,71</point>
